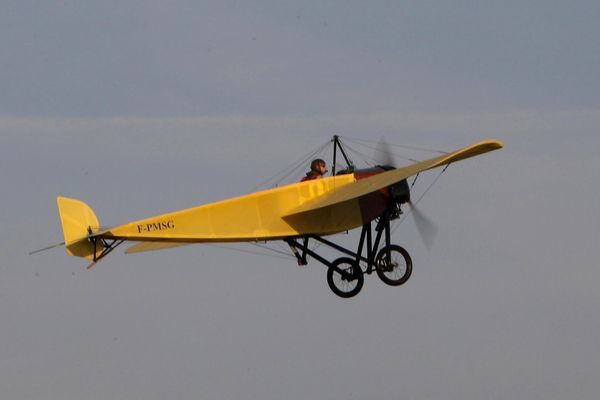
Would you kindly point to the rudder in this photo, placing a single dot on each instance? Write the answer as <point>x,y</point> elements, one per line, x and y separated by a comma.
<point>77,218</point>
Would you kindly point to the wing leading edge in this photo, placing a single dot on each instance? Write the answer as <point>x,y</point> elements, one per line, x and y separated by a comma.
<point>376,182</point>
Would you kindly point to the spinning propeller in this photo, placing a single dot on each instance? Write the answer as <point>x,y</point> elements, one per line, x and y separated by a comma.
<point>427,229</point>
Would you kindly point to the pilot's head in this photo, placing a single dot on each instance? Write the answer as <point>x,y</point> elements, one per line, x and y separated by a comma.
<point>318,166</point>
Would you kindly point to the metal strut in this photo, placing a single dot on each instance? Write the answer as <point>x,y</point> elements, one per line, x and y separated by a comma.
<point>300,257</point>
<point>108,245</point>
<point>336,144</point>
<point>382,228</point>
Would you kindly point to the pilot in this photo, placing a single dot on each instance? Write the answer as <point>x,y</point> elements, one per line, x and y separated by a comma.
<point>318,168</point>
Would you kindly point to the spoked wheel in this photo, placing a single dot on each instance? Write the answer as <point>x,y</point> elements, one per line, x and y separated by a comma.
<point>345,278</point>
<point>394,265</point>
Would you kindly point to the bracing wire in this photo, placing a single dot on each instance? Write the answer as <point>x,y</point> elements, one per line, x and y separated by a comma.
<point>408,147</point>
<point>362,156</point>
<point>299,165</point>
<point>291,168</point>
<point>324,150</point>
<point>320,150</point>
<point>419,199</point>
<point>415,180</point>
<point>256,253</point>
<point>373,148</point>
<point>283,253</point>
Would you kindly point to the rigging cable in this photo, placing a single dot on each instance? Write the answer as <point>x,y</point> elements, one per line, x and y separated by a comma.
<point>256,253</point>
<point>362,156</point>
<point>417,148</point>
<point>295,165</point>
<point>419,199</point>
<point>375,149</point>
<point>287,171</point>
<point>283,253</point>
<point>299,165</point>
<point>415,180</point>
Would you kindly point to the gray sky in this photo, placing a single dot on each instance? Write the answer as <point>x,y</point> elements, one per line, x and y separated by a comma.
<point>140,108</point>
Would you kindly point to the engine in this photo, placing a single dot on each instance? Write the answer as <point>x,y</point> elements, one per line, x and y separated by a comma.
<point>400,192</point>
<point>396,194</point>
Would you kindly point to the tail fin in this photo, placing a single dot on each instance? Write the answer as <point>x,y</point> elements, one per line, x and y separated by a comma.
<point>78,220</point>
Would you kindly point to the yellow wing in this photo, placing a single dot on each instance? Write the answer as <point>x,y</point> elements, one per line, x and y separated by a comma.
<point>379,181</point>
<point>322,207</point>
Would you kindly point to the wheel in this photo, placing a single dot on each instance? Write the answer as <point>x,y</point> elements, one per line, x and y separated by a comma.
<point>393,265</point>
<point>345,278</point>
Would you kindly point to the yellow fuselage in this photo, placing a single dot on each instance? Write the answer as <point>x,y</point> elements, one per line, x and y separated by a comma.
<point>256,216</point>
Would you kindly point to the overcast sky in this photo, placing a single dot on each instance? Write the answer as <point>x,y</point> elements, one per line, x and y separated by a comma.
<point>144,107</point>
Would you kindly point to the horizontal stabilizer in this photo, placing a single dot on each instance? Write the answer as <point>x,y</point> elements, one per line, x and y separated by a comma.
<point>151,246</point>
<point>379,181</point>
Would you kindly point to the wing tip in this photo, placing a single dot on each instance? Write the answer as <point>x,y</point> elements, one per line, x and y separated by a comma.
<point>492,144</point>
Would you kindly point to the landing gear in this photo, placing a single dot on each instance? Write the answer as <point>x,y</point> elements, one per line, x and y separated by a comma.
<point>345,276</point>
<point>393,265</point>
<point>102,246</point>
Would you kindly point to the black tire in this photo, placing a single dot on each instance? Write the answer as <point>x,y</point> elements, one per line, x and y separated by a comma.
<point>349,281</point>
<point>396,269</point>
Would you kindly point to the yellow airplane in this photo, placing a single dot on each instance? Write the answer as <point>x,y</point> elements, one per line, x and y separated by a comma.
<point>294,213</point>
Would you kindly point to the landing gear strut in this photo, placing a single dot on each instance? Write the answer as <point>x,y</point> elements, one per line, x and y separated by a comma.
<point>345,275</point>
<point>102,247</point>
